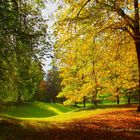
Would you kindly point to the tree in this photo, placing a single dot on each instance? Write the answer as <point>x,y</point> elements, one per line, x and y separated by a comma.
<point>42,91</point>
<point>53,81</point>
<point>22,31</point>
<point>97,17</point>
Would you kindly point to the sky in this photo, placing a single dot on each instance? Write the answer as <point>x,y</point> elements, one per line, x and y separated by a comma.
<point>48,13</point>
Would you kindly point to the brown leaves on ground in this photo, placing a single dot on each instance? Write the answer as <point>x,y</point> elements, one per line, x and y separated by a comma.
<point>118,124</point>
<point>115,125</point>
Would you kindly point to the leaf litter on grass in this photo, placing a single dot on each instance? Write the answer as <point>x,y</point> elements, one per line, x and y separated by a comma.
<point>118,124</point>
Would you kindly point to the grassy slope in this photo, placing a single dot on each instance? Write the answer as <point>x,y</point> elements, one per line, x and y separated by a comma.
<point>82,113</point>
<point>84,124</point>
<point>35,110</point>
<point>56,113</point>
<point>41,121</point>
<point>39,111</point>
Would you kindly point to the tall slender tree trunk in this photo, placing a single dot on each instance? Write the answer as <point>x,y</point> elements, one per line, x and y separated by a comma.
<point>129,100</point>
<point>75,104</point>
<point>95,98</point>
<point>84,101</point>
<point>95,81</point>
<point>19,97</point>
<point>137,38</point>
<point>118,99</point>
<point>137,44</point>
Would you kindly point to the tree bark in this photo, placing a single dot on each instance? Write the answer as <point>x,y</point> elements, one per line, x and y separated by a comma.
<point>84,101</point>
<point>137,38</point>
<point>137,44</point>
<point>118,100</point>
<point>129,100</point>
<point>95,99</point>
<point>19,97</point>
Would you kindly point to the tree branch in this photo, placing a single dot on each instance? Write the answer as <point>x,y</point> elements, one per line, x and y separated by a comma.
<point>129,20</point>
<point>16,4</point>
<point>83,7</point>
<point>128,31</point>
<point>121,13</point>
<point>136,7</point>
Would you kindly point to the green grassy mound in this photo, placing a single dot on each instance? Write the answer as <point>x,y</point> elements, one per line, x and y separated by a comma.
<point>35,110</point>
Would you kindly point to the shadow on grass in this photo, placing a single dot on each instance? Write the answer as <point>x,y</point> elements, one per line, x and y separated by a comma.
<point>78,130</point>
<point>12,130</point>
<point>34,110</point>
<point>101,106</point>
<point>29,110</point>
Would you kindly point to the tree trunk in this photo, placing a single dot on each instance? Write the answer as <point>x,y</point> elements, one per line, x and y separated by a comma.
<point>84,101</point>
<point>129,100</point>
<point>95,99</point>
<point>118,100</point>
<point>136,38</point>
<point>137,44</point>
<point>19,97</point>
<point>62,102</point>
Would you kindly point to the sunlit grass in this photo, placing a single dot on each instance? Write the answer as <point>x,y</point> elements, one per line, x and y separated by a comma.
<point>29,124</point>
<point>56,113</point>
<point>25,127</point>
<point>70,116</point>
<point>78,114</point>
<point>81,114</point>
<point>35,110</point>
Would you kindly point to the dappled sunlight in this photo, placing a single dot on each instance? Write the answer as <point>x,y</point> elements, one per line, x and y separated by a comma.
<point>91,90</point>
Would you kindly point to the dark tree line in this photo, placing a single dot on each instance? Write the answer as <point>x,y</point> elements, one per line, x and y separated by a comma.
<point>22,39</point>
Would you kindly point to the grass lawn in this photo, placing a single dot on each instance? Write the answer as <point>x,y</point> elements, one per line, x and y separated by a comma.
<point>35,110</point>
<point>42,121</point>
